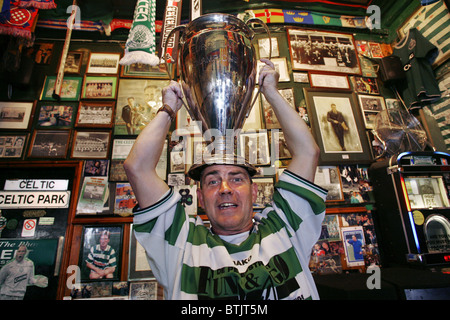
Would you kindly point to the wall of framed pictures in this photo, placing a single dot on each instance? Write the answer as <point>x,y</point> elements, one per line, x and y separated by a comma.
<point>104,106</point>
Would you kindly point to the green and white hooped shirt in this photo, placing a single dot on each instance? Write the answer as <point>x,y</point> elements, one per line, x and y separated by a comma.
<point>191,262</point>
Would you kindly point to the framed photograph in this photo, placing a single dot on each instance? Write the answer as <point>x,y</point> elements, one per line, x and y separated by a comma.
<point>42,52</point>
<point>140,70</point>
<point>265,192</point>
<point>254,147</point>
<point>365,85</point>
<point>90,144</point>
<point>280,66</point>
<point>70,88</point>
<point>103,63</point>
<point>143,290</point>
<point>99,87</point>
<point>56,115</point>
<point>94,196</point>
<point>253,120</point>
<point>264,47</point>
<point>323,51</point>
<point>337,126</point>
<point>15,115</point>
<point>326,80</point>
<point>328,177</point>
<point>301,77</point>
<point>370,107</point>
<point>354,242</point>
<point>49,144</point>
<point>356,186</point>
<point>279,145</point>
<point>101,252</point>
<point>12,145</point>
<point>99,114</point>
<point>270,119</point>
<point>125,200</point>
<point>73,62</point>
<point>138,267</point>
<point>138,100</point>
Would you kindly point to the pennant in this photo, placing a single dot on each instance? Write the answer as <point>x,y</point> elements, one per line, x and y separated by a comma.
<point>270,15</point>
<point>172,17</point>
<point>20,23</point>
<point>37,4</point>
<point>5,10</point>
<point>140,46</point>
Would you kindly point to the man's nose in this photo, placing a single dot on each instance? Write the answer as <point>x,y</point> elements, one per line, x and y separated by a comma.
<point>224,187</point>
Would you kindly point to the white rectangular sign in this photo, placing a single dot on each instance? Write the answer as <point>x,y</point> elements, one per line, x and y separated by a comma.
<point>29,199</point>
<point>37,184</point>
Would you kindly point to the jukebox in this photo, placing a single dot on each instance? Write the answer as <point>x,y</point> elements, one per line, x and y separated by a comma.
<point>412,191</point>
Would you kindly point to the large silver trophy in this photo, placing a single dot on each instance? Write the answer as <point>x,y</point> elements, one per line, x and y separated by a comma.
<point>217,66</point>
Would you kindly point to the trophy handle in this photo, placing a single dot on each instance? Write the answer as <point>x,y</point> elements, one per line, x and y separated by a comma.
<point>266,28</point>
<point>166,55</point>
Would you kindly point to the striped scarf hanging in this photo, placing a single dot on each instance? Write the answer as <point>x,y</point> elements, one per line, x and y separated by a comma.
<point>140,45</point>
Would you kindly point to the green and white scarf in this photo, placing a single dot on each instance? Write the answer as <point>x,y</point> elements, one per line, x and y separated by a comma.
<point>140,45</point>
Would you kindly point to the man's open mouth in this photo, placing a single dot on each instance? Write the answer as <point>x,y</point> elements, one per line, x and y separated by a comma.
<point>227,205</point>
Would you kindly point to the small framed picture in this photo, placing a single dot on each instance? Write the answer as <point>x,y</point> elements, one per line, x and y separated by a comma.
<point>73,62</point>
<point>143,290</point>
<point>91,144</point>
<point>140,70</point>
<point>125,199</point>
<point>56,115</point>
<point>253,120</point>
<point>280,66</point>
<point>327,80</point>
<point>49,144</point>
<point>265,192</point>
<point>279,145</point>
<point>354,242</point>
<point>264,47</point>
<point>365,85</point>
<point>328,177</point>
<point>42,52</point>
<point>12,145</point>
<point>16,115</point>
<point>270,119</point>
<point>95,114</point>
<point>138,267</point>
<point>103,63</point>
<point>254,147</point>
<point>101,252</point>
<point>70,88</point>
<point>370,107</point>
<point>99,87</point>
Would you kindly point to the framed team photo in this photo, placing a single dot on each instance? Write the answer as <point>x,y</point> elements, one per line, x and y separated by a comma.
<point>90,144</point>
<point>99,87</point>
<point>12,145</point>
<point>323,51</point>
<point>98,114</point>
<point>103,63</point>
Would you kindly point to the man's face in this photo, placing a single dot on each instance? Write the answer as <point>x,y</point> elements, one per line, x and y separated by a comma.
<point>227,195</point>
<point>104,240</point>
<point>21,252</point>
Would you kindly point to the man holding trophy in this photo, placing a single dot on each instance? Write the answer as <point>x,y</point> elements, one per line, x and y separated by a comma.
<point>243,255</point>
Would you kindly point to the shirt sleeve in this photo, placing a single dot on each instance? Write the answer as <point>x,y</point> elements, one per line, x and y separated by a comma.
<point>162,230</point>
<point>301,204</point>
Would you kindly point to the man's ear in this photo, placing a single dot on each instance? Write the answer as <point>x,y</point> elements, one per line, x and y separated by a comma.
<point>200,197</point>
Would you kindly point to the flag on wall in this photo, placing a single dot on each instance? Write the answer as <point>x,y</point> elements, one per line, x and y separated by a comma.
<point>20,22</point>
<point>305,17</point>
<point>141,45</point>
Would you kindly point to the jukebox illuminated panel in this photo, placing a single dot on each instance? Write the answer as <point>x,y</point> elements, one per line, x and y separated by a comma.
<point>412,196</point>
